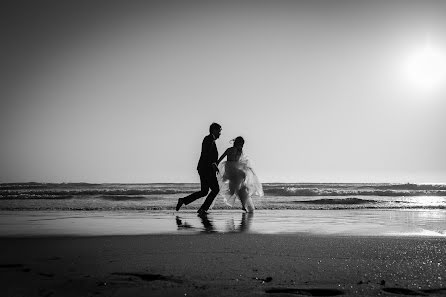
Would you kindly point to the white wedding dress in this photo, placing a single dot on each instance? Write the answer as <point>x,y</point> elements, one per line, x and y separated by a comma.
<point>237,180</point>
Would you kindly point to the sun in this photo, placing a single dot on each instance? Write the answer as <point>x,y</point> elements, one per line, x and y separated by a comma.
<point>425,67</point>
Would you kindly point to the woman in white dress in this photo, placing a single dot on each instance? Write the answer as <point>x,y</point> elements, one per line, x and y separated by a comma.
<point>237,179</point>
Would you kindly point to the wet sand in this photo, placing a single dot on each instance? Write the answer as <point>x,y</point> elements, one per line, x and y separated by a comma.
<point>270,253</point>
<point>370,222</point>
<point>223,264</point>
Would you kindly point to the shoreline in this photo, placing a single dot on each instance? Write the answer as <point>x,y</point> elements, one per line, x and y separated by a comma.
<point>223,264</point>
<point>392,223</point>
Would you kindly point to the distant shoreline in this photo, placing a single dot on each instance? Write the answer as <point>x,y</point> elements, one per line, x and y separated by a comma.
<point>196,183</point>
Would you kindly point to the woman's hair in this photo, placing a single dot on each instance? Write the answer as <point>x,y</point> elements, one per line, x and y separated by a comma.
<point>239,140</point>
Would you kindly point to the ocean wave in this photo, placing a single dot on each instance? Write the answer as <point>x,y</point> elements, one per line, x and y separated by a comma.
<point>35,196</point>
<point>34,185</point>
<point>123,198</point>
<point>315,207</point>
<point>297,191</point>
<point>336,201</point>
<point>86,190</point>
<point>61,194</point>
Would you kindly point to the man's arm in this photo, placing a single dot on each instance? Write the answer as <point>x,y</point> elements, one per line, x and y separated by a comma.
<point>222,156</point>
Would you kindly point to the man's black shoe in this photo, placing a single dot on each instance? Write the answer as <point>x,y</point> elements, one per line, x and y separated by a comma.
<point>179,204</point>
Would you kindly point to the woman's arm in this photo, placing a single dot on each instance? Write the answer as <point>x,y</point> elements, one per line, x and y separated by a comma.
<point>222,156</point>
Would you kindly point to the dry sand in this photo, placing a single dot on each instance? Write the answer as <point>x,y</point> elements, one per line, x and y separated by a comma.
<point>236,264</point>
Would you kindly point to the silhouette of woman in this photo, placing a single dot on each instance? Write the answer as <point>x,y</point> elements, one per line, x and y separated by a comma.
<point>237,179</point>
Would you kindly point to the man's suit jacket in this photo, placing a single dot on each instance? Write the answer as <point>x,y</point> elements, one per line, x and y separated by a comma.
<point>209,154</point>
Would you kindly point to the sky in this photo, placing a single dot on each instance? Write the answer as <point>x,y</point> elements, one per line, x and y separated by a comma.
<point>125,91</point>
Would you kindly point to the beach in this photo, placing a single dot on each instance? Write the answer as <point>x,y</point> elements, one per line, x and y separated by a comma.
<point>223,148</point>
<point>226,253</point>
<point>231,264</point>
<point>302,239</point>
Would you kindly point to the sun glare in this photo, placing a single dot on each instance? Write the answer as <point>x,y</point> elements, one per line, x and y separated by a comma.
<point>426,67</point>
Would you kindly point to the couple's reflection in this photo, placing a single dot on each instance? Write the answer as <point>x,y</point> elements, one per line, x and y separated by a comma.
<point>245,224</point>
<point>209,226</point>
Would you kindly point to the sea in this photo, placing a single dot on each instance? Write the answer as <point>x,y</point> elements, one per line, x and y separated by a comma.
<point>163,196</point>
<point>35,209</point>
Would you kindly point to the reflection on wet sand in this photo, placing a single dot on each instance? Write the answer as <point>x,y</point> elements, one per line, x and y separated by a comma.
<point>208,225</point>
<point>362,222</point>
<point>182,225</point>
<point>244,225</point>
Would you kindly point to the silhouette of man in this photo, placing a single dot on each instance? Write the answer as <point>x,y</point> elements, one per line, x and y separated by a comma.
<point>207,168</point>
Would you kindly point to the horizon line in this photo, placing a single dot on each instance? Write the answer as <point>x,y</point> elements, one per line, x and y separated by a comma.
<point>269,182</point>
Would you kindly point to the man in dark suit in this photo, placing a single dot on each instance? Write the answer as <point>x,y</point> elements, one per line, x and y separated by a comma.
<point>207,168</point>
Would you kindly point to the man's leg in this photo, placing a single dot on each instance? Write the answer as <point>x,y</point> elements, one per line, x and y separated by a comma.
<point>194,196</point>
<point>213,184</point>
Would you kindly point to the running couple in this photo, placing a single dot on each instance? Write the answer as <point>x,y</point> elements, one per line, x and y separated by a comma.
<point>233,179</point>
